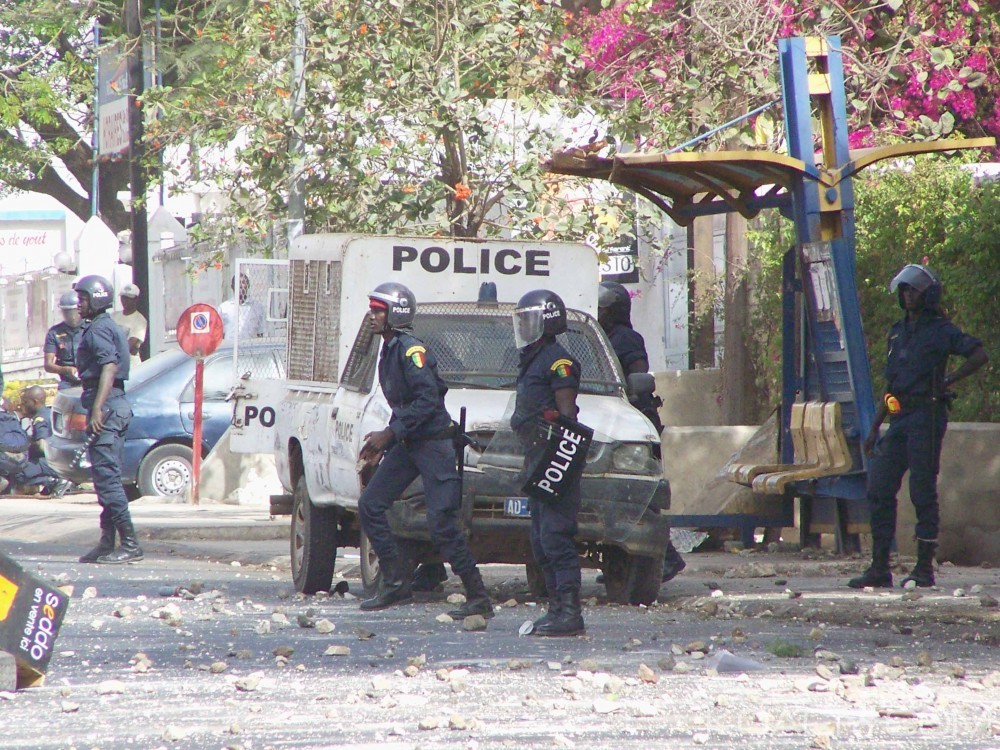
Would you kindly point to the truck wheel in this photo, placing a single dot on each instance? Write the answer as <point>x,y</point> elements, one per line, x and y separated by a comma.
<point>369,564</point>
<point>631,579</point>
<point>313,542</point>
<point>536,581</point>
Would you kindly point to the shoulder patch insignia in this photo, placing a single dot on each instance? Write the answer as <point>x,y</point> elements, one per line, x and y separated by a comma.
<point>417,355</point>
<point>561,367</point>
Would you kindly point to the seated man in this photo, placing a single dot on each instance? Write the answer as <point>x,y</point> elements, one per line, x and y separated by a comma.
<point>36,423</point>
<point>13,446</point>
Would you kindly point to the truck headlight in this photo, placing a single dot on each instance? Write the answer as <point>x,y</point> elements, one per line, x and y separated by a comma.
<point>634,458</point>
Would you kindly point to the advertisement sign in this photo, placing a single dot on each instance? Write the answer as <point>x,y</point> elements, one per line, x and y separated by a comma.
<point>112,102</point>
<point>31,612</point>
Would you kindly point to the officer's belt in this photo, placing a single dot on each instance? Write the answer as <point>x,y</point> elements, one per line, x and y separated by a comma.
<point>93,383</point>
<point>911,403</point>
<point>448,433</point>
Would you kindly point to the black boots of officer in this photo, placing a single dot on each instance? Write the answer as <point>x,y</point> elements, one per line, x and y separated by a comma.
<point>393,588</point>
<point>551,611</point>
<point>565,616</point>
<point>129,550</point>
<point>477,601</point>
<point>104,547</point>
<point>878,575</point>
<point>923,572</point>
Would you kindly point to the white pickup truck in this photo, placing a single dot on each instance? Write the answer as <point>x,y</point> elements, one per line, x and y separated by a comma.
<point>332,398</point>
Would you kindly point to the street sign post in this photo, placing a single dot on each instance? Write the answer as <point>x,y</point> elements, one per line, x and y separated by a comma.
<point>199,332</point>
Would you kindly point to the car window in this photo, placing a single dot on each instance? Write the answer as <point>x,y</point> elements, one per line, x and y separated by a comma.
<point>218,380</point>
<point>154,366</point>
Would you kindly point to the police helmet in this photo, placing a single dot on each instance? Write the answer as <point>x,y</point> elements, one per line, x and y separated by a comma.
<point>398,301</point>
<point>538,313</point>
<point>69,301</point>
<point>98,289</point>
<point>921,278</point>
<point>615,297</point>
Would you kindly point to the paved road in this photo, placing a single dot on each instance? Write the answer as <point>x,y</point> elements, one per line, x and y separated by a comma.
<point>925,669</point>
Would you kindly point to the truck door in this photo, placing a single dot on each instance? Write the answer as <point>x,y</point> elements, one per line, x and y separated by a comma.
<point>255,320</point>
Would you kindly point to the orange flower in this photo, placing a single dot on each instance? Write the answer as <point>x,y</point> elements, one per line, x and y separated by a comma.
<point>462,192</point>
<point>409,189</point>
<point>363,29</point>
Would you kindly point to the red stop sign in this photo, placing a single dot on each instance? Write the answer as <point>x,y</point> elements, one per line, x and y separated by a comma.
<point>199,330</point>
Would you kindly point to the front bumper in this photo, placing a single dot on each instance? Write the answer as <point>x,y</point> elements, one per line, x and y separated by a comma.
<point>606,517</point>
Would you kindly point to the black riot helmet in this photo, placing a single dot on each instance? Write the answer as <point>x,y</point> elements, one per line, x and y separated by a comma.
<point>98,290</point>
<point>921,278</point>
<point>538,313</point>
<point>398,302</point>
<point>615,298</point>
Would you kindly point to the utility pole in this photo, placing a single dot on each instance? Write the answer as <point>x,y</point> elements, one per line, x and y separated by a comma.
<point>136,153</point>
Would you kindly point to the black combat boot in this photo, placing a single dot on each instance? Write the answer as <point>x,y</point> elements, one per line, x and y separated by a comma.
<point>429,577</point>
<point>477,601</point>
<point>104,547</point>
<point>878,574</point>
<point>569,620</point>
<point>923,572</point>
<point>673,563</point>
<point>393,588</point>
<point>551,611</point>
<point>129,551</point>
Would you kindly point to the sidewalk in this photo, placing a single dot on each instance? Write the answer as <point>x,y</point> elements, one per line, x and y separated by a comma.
<point>74,519</point>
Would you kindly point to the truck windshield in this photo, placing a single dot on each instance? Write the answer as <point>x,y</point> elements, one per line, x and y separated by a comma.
<point>475,348</point>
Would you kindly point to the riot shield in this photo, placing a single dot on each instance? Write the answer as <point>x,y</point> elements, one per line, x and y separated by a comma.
<point>618,481</point>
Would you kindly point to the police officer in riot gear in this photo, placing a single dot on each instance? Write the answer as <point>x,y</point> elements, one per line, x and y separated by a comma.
<point>547,385</point>
<point>102,361</point>
<point>915,402</point>
<point>419,441</point>
<point>61,342</point>
<point>614,313</point>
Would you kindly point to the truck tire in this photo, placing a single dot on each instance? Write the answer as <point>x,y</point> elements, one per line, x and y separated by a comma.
<point>631,579</point>
<point>313,542</point>
<point>536,581</point>
<point>369,564</point>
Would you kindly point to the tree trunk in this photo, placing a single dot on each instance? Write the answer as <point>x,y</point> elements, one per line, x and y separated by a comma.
<point>739,392</point>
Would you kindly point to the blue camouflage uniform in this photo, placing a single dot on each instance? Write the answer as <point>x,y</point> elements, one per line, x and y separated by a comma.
<point>103,342</point>
<point>14,445</point>
<point>423,446</point>
<point>917,356</point>
<point>62,340</point>
<point>545,368</point>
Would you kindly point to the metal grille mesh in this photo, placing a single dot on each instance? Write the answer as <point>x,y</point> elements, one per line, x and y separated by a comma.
<point>474,346</point>
<point>261,315</point>
<point>327,335</point>
<point>301,321</point>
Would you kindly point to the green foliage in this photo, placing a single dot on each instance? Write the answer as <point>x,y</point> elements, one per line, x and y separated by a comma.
<point>426,117</point>
<point>787,650</point>
<point>931,210</point>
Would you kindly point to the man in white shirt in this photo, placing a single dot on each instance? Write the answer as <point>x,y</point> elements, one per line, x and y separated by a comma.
<point>131,321</point>
<point>250,313</point>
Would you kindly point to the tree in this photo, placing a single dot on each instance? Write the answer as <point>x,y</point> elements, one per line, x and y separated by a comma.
<point>425,116</point>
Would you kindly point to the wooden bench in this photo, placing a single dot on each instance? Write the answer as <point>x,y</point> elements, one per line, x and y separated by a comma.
<point>820,450</point>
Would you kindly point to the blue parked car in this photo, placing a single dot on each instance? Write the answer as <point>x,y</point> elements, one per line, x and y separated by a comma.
<point>157,454</point>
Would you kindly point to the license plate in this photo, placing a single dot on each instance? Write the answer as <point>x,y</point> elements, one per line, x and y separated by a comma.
<point>516,507</point>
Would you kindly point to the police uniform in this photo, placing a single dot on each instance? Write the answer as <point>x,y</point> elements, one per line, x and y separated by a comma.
<point>62,340</point>
<point>103,342</point>
<point>918,352</point>
<point>423,446</point>
<point>630,347</point>
<point>37,470</point>
<point>14,445</point>
<point>545,368</point>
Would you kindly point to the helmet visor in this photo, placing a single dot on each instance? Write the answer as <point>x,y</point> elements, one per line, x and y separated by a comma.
<point>528,325</point>
<point>912,275</point>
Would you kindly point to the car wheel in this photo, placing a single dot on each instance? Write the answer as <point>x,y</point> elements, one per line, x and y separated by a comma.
<point>536,581</point>
<point>631,579</point>
<point>166,471</point>
<point>313,542</point>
